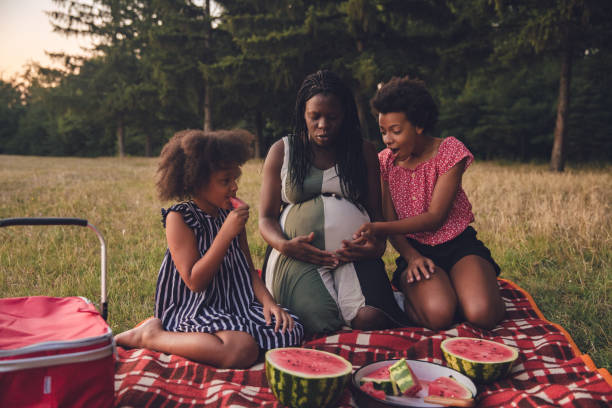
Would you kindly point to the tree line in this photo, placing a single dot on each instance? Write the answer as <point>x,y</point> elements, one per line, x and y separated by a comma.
<point>515,79</point>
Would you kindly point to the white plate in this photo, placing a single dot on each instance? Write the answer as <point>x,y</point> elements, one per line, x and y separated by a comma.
<point>423,370</point>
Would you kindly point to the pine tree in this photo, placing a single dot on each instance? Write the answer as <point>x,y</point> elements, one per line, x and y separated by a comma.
<point>565,29</point>
<point>116,29</point>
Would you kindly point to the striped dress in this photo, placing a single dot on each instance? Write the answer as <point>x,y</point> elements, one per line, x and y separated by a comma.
<point>228,303</point>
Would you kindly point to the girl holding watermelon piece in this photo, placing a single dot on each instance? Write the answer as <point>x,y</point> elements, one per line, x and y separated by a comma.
<point>211,306</point>
<point>443,269</point>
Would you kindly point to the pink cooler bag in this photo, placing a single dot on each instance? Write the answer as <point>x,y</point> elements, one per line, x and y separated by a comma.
<point>56,352</point>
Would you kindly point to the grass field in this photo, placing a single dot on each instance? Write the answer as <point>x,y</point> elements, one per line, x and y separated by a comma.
<point>550,233</point>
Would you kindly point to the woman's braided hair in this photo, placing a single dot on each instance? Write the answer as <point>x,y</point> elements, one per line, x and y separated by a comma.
<point>348,145</point>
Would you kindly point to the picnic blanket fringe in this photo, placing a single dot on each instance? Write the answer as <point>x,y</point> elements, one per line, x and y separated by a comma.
<point>551,370</point>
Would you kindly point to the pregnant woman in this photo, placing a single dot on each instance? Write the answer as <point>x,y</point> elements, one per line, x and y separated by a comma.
<point>320,184</point>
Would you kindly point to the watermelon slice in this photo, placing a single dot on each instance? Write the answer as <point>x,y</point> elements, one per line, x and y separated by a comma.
<point>370,389</point>
<point>301,377</point>
<point>236,202</point>
<point>403,378</point>
<point>482,360</point>
<point>380,380</point>
<point>448,387</point>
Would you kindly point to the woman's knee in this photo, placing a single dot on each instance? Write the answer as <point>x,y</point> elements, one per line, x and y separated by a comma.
<point>317,314</point>
<point>320,319</point>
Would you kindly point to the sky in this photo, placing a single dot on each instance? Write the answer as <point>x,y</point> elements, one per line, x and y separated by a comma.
<point>25,35</point>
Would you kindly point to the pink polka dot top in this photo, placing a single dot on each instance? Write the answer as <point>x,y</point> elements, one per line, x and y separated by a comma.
<point>411,189</point>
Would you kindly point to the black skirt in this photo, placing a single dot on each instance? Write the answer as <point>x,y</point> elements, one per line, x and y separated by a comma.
<point>447,254</point>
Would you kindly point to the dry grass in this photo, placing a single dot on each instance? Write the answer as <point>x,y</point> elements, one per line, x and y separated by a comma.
<point>550,233</point>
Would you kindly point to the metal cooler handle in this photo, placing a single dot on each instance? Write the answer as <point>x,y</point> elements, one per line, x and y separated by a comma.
<point>7,222</point>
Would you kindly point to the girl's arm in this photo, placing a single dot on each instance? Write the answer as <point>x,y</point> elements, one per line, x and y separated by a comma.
<point>197,272</point>
<point>269,213</point>
<point>399,242</point>
<point>418,265</point>
<point>283,319</point>
<point>441,203</point>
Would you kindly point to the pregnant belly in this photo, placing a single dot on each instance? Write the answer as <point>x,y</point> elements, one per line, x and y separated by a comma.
<point>331,219</point>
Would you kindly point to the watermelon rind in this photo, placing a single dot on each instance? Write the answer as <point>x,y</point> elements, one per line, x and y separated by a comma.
<point>297,390</point>
<point>480,371</point>
<point>383,384</point>
<point>403,378</point>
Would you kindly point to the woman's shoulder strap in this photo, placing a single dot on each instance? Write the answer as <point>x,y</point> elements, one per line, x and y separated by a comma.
<point>286,140</point>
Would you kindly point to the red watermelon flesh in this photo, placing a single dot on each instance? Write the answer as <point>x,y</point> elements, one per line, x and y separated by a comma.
<point>368,388</point>
<point>309,362</point>
<point>236,202</point>
<point>448,387</point>
<point>380,374</point>
<point>381,380</point>
<point>479,350</point>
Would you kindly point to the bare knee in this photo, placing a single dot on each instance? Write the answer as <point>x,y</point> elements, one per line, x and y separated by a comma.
<point>439,318</point>
<point>475,283</point>
<point>437,314</point>
<point>241,355</point>
<point>370,318</point>
<point>484,314</point>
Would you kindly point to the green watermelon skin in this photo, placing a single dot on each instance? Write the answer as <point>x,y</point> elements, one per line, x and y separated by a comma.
<point>401,374</point>
<point>305,392</point>
<point>481,371</point>
<point>380,381</point>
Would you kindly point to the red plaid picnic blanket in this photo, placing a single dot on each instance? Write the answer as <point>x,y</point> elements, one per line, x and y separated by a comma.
<point>550,370</point>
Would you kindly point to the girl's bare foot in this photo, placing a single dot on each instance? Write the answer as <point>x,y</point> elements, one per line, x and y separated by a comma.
<point>139,335</point>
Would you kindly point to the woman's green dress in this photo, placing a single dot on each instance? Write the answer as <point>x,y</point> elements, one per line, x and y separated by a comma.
<point>325,299</point>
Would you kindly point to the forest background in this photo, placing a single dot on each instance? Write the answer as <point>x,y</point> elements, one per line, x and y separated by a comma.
<point>516,80</point>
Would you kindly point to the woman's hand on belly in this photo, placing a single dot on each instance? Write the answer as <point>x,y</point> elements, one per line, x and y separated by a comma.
<point>360,248</point>
<point>300,248</point>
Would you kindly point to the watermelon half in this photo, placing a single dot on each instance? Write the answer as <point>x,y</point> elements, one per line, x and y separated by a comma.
<point>301,377</point>
<point>482,360</point>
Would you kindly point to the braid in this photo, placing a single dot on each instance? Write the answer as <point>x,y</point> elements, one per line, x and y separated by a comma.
<point>348,145</point>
